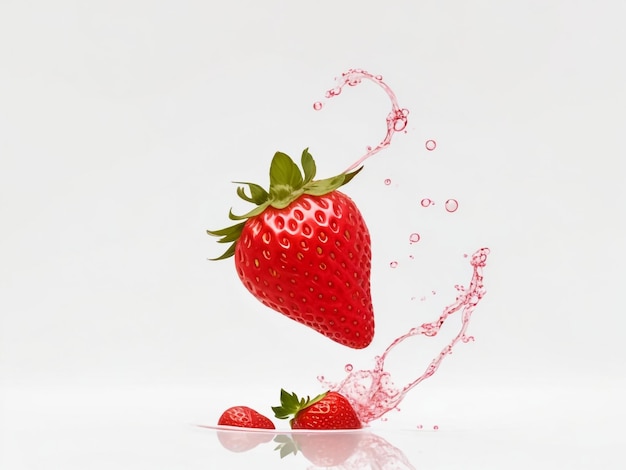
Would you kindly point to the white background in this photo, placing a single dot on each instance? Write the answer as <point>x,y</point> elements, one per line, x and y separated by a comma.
<point>123,124</point>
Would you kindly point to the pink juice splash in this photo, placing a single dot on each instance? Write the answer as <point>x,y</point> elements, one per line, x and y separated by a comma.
<point>396,119</point>
<point>372,393</point>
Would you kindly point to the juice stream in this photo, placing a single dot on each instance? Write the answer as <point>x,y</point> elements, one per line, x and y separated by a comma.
<point>396,119</point>
<point>372,392</point>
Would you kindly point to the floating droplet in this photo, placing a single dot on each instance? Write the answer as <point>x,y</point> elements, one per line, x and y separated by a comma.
<point>452,205</point>
<point>411,257</point>
<point>431,145</point>
<point>414,237</point>
<point>426,202</point>
<point>317,105</point>
<point>393,264</point>
<point>420,426</point>
<point>348,368</point>
<point>435,427</point>
<point>387,181</point>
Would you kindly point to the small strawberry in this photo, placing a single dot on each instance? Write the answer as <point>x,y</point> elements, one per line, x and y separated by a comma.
<point>244,417</point>
<point>305,251</point>
<point>329,410</point>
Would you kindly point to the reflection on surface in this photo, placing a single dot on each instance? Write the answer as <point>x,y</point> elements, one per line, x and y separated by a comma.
<point>345,450</point>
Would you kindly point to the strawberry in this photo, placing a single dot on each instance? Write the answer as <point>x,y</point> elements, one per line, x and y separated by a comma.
<point>305,251</point>
<point>329,410</point>
<point>244,417</point>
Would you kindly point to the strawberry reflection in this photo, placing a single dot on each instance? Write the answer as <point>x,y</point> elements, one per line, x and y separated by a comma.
<point>237,440</point>
<point>339,450</point>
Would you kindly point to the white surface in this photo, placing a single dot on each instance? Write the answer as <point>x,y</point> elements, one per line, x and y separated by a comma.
<point>122,125</point>
<point>486,429</point>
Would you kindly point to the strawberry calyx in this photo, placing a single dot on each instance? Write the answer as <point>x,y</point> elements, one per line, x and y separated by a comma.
<point>291,404</point>
<point>287,183</point>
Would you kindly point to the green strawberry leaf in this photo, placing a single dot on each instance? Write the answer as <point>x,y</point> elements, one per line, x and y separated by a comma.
<point>284,174</point>
<point>308,165</point>
<point>258,195</point>
<point>256,211</point>
<point>291,405</point>
<point>349,176</point>
<point>227,230</point>
<point>227,254</point>
<point>325,186</point>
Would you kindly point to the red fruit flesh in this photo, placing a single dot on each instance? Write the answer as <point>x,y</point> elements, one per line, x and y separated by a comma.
<point>311,261</point>
<point>245,417</point>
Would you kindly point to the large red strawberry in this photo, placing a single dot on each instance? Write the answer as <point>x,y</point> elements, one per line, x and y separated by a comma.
<point>305,251</point>
<point>330,410</point>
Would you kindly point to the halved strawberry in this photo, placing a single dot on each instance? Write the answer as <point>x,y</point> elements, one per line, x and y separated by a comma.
<point>305,251</point>
<point>244,417</point>
<point>329,410</point>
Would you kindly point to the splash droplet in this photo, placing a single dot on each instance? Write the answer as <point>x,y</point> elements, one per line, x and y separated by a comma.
<point>411,257</point>
<point>387,181</point>
<point>414,237</point>
<point>420,426</point>
<point>426,202</point>
<point>348,368</point>
<point>435,427</point>
<point>317,105</point>
<point>393,264</point>
<point>431,145</point>
<point>452,205</point>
